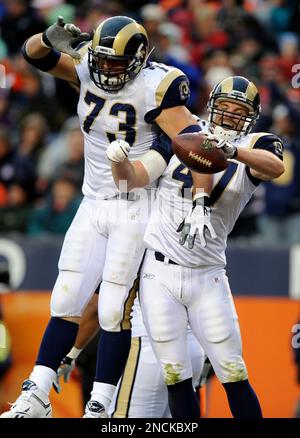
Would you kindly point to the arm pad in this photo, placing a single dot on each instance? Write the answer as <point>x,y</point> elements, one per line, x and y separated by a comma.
<point>46,63</point>
<point>154,164</point>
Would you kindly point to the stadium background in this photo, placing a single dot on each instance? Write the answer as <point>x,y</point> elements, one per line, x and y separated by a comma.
<point>41,166</point>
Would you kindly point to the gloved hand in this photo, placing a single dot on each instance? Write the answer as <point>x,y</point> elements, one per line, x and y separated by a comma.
<point>65,369</point>
<point>61,36</point>
<point>118,150</point>
<point>196,222</point>
<point>228,148</point>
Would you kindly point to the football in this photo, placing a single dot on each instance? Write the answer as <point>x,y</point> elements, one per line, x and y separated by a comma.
<point>198,153</point>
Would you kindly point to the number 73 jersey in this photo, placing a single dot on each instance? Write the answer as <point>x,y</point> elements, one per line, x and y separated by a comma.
<point>128,114</point>
<point>232,189</point>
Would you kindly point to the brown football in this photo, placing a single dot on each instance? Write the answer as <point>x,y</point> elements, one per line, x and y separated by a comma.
<point>198,153</point>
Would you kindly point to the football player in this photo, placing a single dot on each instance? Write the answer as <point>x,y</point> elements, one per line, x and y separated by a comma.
<point>122,96</point>
<point>188,285</point>
<point>141,392</point>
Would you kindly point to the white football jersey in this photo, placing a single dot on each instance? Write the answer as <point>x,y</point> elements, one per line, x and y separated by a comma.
<point>128,115</point>
<point>232,189</point>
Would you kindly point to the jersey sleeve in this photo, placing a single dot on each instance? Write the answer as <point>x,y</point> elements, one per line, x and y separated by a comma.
<point>170,89</point>
<point>163,145</point>
<point>271,143</point>
<point>81,64</point>
<point>267,142</point>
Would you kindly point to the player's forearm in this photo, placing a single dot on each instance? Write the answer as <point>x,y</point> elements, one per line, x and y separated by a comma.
<point>129,175</point>
<point>87,331</point>
<point>202,183</point>
<point>123,174</point>
<point>49,60</point>
<point>35,48</point>
<point>263,162</point>
<point>174,120</point>
<point>89,324</point>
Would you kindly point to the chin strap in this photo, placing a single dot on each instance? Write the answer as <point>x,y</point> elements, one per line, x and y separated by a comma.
<point>148,55</point>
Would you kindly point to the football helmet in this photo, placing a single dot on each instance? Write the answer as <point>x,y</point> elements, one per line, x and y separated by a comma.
<point>239,90</point>
<point>118,52</point>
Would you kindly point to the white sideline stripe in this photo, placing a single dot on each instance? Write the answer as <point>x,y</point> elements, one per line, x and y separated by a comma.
<point>294,273</point>
<point>15,256</point>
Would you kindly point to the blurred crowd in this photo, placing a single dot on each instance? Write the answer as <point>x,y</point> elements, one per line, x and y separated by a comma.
<point>41,144</point>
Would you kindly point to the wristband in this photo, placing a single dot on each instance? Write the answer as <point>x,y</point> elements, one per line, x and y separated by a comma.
<point>74,353</point>
<point>197,199</point>
<point>46,41</point>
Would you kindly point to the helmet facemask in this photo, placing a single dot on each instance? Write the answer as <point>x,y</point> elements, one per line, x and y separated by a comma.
<point>230,125</point>
<point>111,80</point>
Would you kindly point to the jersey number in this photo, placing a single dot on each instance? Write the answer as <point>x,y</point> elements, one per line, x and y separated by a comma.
<point>183,174</point>
<point>130,117</point>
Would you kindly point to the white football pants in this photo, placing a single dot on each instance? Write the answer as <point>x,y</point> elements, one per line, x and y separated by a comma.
<point>103,244</point>
<point>172,296</point>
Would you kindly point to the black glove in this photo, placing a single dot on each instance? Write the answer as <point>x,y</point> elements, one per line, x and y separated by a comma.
<point>65,369</point>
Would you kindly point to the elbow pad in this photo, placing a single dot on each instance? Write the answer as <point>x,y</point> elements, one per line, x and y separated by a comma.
<point>154,164</point>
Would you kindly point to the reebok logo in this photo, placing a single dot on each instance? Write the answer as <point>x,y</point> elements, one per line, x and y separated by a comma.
<point>148,276</point>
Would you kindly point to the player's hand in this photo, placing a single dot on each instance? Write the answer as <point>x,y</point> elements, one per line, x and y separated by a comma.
<point>197,222</point>
<point>64,371</point>
<point>118,150</point>
<point>61,36</point>
<point>228,148</point>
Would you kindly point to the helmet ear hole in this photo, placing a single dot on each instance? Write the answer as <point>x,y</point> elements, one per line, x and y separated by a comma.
<point>118,39</point>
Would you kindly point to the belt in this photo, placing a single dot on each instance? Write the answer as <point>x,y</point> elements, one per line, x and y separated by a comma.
<point>161,258</point>
<point>130,196</point>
